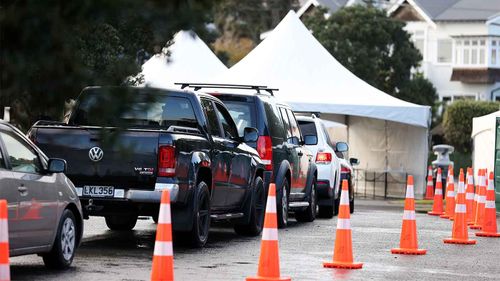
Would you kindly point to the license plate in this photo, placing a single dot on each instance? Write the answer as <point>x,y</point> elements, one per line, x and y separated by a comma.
<point>98,191</point>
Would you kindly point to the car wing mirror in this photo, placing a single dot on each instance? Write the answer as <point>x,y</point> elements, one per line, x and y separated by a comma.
<point>341,147</point>
<point>250,134</point>
<point>354,161</point>
<point>310,140</point>
<point>57,165</point>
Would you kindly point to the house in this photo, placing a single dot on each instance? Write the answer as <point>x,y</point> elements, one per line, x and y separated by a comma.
<point>460,44</point>
<point>332,6</point>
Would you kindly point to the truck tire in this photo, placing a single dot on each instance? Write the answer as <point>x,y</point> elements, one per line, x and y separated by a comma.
<point>309,214</point>
<point>327,212</point>
<point>351,205</point>
<point>121,222</point>
<point>257,211</point>
<point>282,204</point>
<point>64,247</point>
<point>198,236</point>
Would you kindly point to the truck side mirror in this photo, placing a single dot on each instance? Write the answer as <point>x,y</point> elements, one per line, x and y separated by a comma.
<point>310,140</point>
<point>354,161</point>
<point>250,134</point>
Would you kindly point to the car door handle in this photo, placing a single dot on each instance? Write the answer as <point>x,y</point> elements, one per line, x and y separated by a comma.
<point>23,190</point>
<point>300,153</point>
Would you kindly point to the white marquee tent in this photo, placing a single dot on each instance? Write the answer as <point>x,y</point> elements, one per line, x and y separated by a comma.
<point>385,133</point>
<point>483,135</point>
<point>190,59</point>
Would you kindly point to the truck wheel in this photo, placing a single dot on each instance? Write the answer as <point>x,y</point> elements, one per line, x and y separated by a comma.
<point>309,214</point>
<point>326,212</point>
<point>257,211</point>
<point>201,220</point>
<point>351,205</point>
<point>121,222</point>
<point>63,250</point>
<point>282,204</point>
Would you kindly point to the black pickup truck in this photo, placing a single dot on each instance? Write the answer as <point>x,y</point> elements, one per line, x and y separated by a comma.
<point>176,140</point>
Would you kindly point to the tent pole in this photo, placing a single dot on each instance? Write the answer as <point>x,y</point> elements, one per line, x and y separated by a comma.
<point>386,158</point>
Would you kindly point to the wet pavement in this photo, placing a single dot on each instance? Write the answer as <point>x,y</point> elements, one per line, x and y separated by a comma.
<point>108,255</point>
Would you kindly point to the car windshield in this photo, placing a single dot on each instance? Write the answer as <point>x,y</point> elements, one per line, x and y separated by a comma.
<point>242,113</point>
<point>143,110</point>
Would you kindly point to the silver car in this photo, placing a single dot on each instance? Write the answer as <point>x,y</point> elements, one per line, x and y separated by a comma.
<point>45,215</point>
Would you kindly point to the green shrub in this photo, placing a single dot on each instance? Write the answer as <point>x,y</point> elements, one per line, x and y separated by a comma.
<point>457,121</point>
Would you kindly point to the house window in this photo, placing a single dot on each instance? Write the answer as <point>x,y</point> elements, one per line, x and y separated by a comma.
<point>474,51</point>
<point>444,51</point>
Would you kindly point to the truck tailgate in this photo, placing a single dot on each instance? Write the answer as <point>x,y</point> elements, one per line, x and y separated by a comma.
<point>130,162</point>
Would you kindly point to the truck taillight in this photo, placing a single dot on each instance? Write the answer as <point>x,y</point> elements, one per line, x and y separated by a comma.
<point>265,150</point>
<point>166,161</point>
<point>323,157</point>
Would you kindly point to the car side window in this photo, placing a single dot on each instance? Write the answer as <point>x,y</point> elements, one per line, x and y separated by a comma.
<point>213,122</point>
<point>228,126</point>
<point>287,123</point>
<point>294,126</point>
<point>21,156</point>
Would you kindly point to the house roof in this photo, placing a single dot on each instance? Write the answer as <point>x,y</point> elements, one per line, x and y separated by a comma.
<point>454,10</point>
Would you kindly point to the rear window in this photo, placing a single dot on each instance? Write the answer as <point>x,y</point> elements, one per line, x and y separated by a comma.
<point>143,110</point>
<point>308,128</point>
<point>243,114</point>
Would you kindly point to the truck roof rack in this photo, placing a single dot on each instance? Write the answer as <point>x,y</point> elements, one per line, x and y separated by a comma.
<point>198,86</point>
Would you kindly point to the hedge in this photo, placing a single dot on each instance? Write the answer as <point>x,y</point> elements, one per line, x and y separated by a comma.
<point>457,121</point>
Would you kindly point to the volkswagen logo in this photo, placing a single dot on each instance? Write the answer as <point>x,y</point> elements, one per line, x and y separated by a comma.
<point>96,154</point>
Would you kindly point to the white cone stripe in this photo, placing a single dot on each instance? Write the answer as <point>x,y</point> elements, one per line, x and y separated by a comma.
<point>438,191</point>
<point>163,249</point>
<point>429,183</point>
<point>470,179</point>
<point>409,215</point>
<point>460,208</point>
<point>469,196</point>
<point>271,205</point>
<point>491,185</point>
<point>476,197</point>
<point>4,272</point>
<point>343,224</point>
<point>344,198</point>
<point>4,231</point>
<point>164,216</point>
<point>410,193</point>
<point>429,173</point>
<point>461,187</point>
<point>481,199</point>
<point>270,234</point>
<point>490,205</point>
<point>450,193</point>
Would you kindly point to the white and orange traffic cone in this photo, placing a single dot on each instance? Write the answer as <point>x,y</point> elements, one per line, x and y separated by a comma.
<point>437,207</point>
<point>429,193</point>
<point>163,259</point>
<point>476,197</point>
<point>450,195</point>
<point>269,261</point>
<point>4,242</point>
<point>490,212</point>
<point>469,194</point>
<point>342,253</point>
<point>481,201</point>
<point>409,243</point>
<point>460,233</point>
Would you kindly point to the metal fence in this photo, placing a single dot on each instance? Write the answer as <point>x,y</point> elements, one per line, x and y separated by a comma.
<point>386,184</point>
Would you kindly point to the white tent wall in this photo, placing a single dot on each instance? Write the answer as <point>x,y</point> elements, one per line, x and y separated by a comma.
<point>385,146</point>
<point>483,136</point>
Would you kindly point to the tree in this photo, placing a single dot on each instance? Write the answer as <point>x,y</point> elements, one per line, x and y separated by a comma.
<point>419,90</point>
<point>457,121</point>
<point>370,44</point>
<point>50,50</point>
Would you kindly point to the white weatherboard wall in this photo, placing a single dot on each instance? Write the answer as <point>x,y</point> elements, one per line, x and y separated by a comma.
<point>483,136</point>
<point>190,60</point>
<point>311,80</point>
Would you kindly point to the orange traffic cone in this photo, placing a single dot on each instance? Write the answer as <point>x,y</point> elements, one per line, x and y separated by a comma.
<point>342,254</point>
<point>269,261</point>
<point>469,195</point>
<point>429,193</point>
<point>476,197</point>
<point>437,207</point>
<point>490,213</point>
<point>481,201</point>
<point>409,244</point>
<point>450,196</point>
<point>163,259</point>
<point>4,242</point>
<point>460,233</point>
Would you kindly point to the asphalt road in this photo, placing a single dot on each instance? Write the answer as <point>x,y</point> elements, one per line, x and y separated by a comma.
<point>107,255</point>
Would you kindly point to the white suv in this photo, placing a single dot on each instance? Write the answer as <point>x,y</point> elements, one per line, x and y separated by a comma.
<point>328,164</point>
